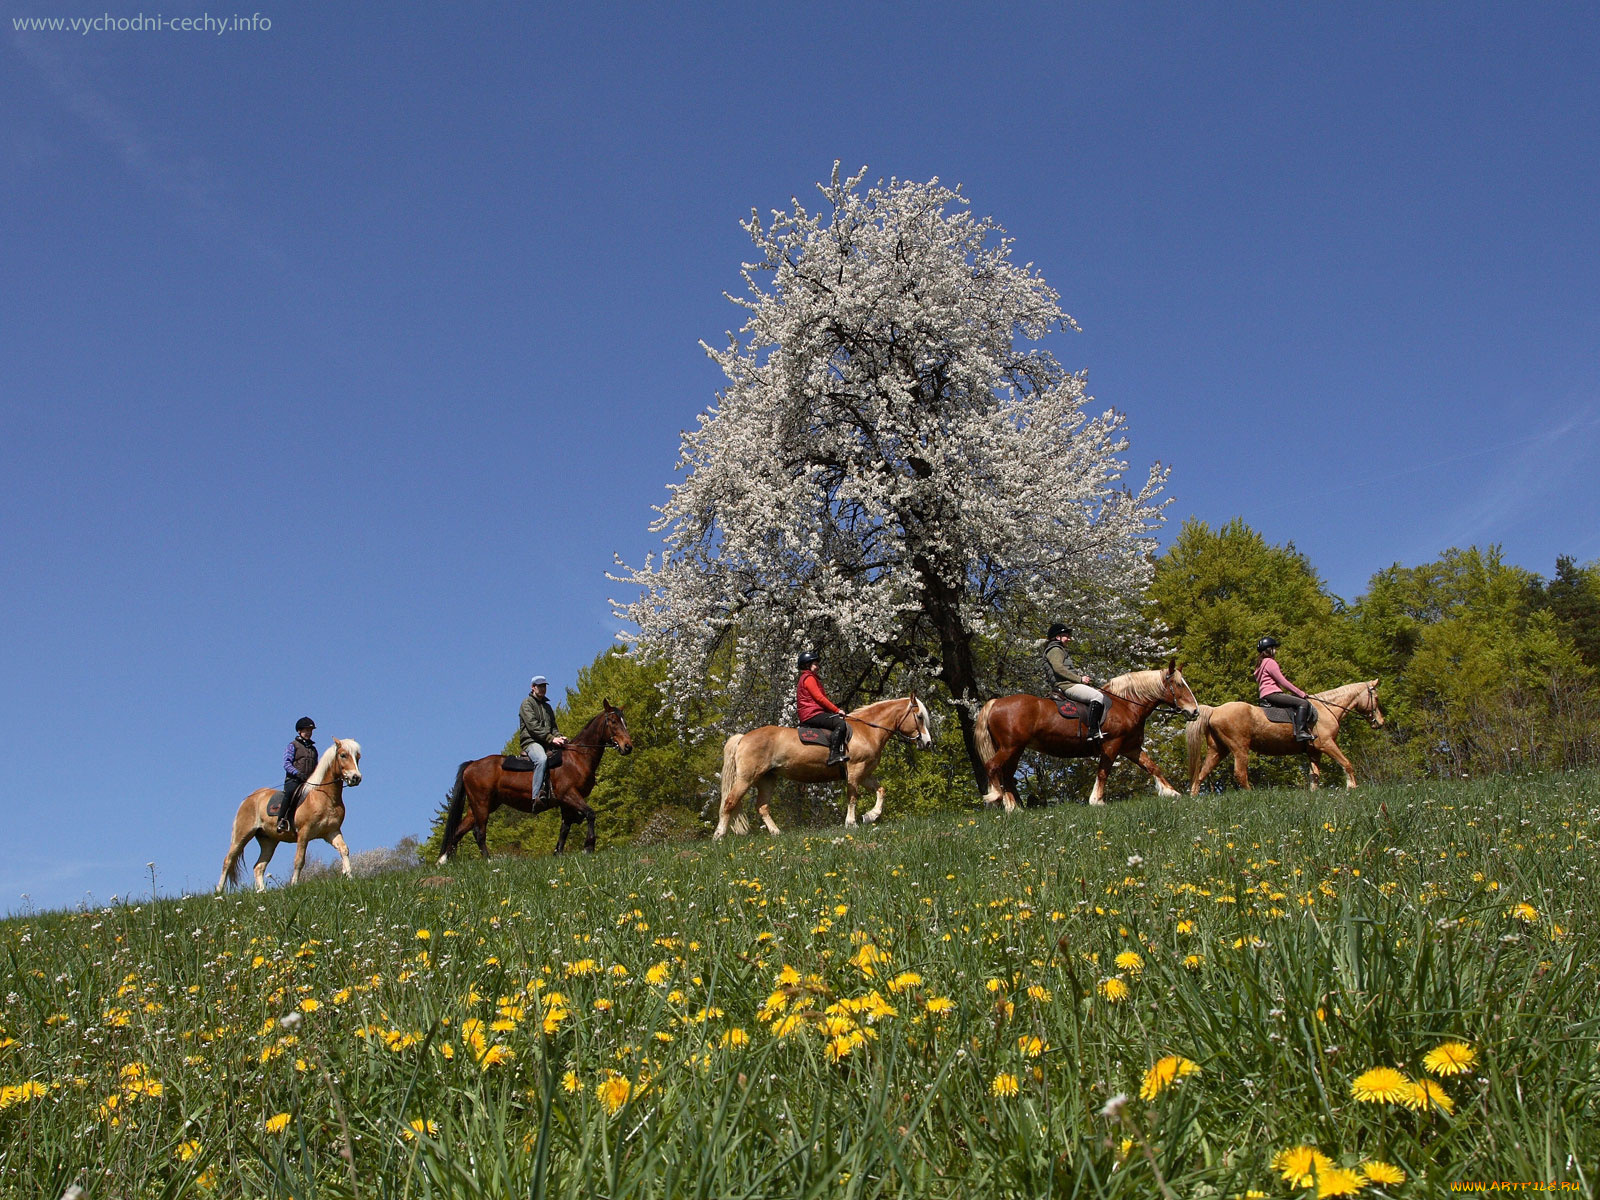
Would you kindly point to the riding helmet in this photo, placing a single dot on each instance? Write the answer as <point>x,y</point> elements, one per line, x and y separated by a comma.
<point>809,658</point>
<point>1267,643</point>
<point>1057,629</point>
<point>303,724</point>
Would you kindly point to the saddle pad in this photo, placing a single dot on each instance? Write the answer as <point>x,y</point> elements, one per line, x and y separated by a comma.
<point>515,762</point>
<point>813,735</point>
<point>1071,710</point>
<point>275,805</point>
<point>1279,715</point>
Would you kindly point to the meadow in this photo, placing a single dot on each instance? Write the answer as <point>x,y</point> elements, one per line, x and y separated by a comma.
<point>1391,992</point>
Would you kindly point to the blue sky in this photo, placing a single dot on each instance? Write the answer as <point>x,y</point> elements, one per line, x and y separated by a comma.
<point>338,359</point>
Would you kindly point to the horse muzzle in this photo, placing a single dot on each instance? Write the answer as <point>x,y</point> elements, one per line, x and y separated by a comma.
<point>352,781</point>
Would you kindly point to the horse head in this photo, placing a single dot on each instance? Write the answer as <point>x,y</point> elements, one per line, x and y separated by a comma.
<point>347,761</point>
<point>1176,691</point>
<point>920,733</point>
<point>1368,704</point>
<point>615,730</point>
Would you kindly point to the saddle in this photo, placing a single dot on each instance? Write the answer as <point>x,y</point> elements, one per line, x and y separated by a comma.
<point>1075,714</point>
<point>1279,715</point>
<point>516,762</point>
<point>811,735</point>
<point>275,805</point>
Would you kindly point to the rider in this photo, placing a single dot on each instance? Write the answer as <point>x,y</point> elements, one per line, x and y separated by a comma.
<point>1064,677</point>
<point>299,760</point>
<point>1278,691</point>
<point>812,707</point>
<point>536,730</point>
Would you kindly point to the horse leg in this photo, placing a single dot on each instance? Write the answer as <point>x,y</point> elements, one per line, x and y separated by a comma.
<point>850,785</point>
<point>876,811</point>
<point>588,839</point>
<point>764,803</point>
<point>1163,788</point>
<point>1097,796</point>
<point>1213,757</point>
<point>1241,765</point>
<point>268,847</point>
<point>299,856</point>
<point>1002,773</point>
<point>337,842</point>
<point>1338,756</point>
<point>566,827</point>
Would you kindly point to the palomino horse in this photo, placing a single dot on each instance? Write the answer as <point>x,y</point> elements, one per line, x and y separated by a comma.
<point>484,785</point>
<point>1238,727</point>
<point>1009,725</point>
<point>760,756</point>
<point>319,815</point>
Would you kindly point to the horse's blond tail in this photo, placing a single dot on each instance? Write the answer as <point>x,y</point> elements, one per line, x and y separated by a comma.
<point>1197,735</point>
<point>739,822</point>
<point>244,820</point>
<point>981,733</point>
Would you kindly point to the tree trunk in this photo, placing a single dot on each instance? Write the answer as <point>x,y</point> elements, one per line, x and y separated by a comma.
<point>957,667</point>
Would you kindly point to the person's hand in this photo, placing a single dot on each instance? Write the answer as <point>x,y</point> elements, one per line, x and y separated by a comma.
<point>1086,679</point>
<point>559,740</point>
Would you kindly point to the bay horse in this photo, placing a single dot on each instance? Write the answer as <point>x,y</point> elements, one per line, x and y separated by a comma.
<point>757,759</point>
<point>319,815</point>
<point>483,785</point>
<point>1008,725</point>
<point>1239,727</point>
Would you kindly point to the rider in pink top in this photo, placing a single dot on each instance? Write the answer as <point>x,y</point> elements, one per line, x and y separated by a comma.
<point>1277,691</point>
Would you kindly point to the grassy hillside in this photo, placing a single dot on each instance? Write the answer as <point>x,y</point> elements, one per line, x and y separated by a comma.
<point>1161,997</point>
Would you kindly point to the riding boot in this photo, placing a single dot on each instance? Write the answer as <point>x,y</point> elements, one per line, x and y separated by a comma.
<point>1301,733</point>
<point>1096,711</point>
<point>836,750</point>
<point>291,789</point>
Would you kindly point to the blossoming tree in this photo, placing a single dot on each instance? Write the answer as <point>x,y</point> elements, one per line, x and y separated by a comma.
<point>895,473</point>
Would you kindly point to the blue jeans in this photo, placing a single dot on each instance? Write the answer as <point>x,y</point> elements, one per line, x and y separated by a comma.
<point>537,753</point>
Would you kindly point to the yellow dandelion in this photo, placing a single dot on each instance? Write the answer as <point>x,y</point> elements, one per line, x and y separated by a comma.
<point>1166,1071</point>
<point>657,975</point>
<point>1300,1165</point>
<point>940,1006</point>
<point>1450,1058</point>
<point>1114,990</point>
<point>1129,960</point>
<point>495,1054</point>
<point>187,1151</point>
<point>614,1091</point>
<point>309,1005</point>
<point>1381,1085</point>
<point>420,1126</point>
<point>1382,1172</point>
<point>423,935</point>
<point>570,1082</point>
<point>1425,1094</point>
<point>277,1124</point>
<point>1039,994</point>
<point>1523,912</point>
<point>1005,1084</point>
<point>1030,1047</point>
<point>1185,927</point>
<point>1193,962</point>
<point>735,1038</point>
<point>1339,1181</point>
<point>905,981</point>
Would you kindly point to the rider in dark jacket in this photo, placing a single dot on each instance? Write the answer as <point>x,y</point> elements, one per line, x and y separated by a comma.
<point>536,730</point>
<point>1063,677</point>
<point>299,760</point>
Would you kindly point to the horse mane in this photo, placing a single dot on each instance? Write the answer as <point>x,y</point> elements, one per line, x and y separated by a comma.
<point>325,763</point>
<point>1139,686</point>
<point>895,701</point>
<point>591,724</point>
<point>1346,694</point>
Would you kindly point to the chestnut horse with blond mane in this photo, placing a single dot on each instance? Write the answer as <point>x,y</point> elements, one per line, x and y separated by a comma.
<point>757,759</point>
<point>1008,725</point>
<point>319,814</point>
<point>1239,727</point>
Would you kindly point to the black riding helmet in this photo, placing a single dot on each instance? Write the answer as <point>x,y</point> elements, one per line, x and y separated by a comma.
<point>303,724</point>
<point>1265,644</point>
<point>809,658</point>
<point>1057,629</point>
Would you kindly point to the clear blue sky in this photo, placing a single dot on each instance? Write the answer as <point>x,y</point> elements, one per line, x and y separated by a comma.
<point>337,359</point>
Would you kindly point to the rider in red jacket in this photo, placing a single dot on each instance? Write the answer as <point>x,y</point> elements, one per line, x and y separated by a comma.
<point>812,707</point>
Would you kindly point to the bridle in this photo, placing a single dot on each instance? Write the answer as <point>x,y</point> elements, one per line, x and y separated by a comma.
<point>610,741</point>
<point>1372,716</point>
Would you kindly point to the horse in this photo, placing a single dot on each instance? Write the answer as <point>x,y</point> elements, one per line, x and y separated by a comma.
<point>484,785</point>
<point>319,815</point>
<point>758,757</point>
<point>1238,727</point>
<point>1008,725</point>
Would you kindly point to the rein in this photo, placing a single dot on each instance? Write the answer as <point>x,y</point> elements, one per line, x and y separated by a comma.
<point>894,729</point>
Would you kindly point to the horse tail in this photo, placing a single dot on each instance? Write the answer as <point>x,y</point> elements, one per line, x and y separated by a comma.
<point>458,801</point>
<point>981,733</point>
<point>739,823</point>
<point>1197,733</point>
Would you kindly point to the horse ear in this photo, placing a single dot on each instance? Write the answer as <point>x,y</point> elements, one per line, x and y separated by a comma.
<point>1172,666</point>
<point>607,703</point>
<point>1374,685</point>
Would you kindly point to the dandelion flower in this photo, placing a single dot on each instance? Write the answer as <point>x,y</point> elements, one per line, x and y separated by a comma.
<point>1193,962</point>
<point>614,1092</point>
<point>1005,1084</point>
<point>1300,1165</point>
<point>735,1038</point>
<point>187,1151</point>
<point>1339,1181</point>
<point>421,1125</point>
<point>570,1082</point>
<point>1381,1085</point>
<point>1030,1047</point>
<point>1382,1172</point>
<point>1523,912</point>
<point>277,1124</point>
<point>1425,1094</point>
<point>1114,990</point>
<point>1129,960</point>
<point>1450,1058</point>
<point>940,1006</point>
<point>1167,1071</point>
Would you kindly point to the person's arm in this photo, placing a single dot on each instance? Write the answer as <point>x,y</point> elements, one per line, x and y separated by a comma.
<point>812,686</point>
<point>1277,677</point>
<point>288,762</point>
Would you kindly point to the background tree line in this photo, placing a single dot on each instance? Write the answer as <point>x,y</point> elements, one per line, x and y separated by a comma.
<point>1485,667</point>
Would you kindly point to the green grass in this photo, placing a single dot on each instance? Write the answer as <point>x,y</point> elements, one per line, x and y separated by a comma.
<point>1325,934</point>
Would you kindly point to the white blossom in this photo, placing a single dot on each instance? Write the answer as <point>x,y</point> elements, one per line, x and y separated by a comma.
<point>895,472</point>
